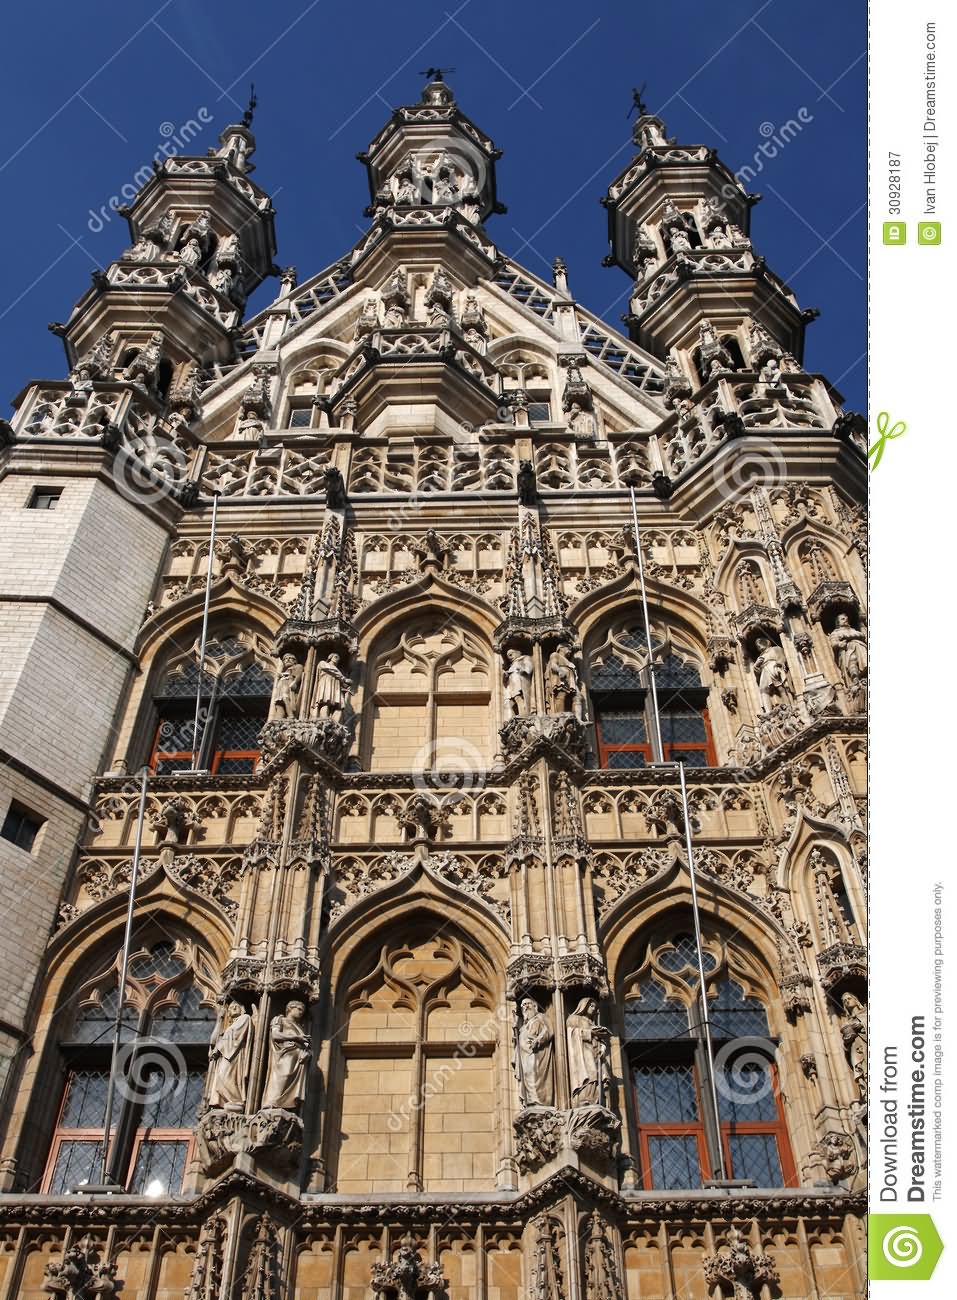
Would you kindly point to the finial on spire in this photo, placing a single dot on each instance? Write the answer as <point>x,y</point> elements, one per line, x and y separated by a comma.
<point>250,107</point>
<point>638,102</point>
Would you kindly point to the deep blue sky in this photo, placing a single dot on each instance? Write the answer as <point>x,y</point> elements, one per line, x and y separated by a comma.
<point>89,91</point>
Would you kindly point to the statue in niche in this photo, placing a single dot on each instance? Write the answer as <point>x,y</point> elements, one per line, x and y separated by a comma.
<point>290,1051</point>
<point>407,192</point>
<point>229,1055</point>
<point>850,652</point>
<point>285,696</point>
<point>854,1037</point>
<point>333,687</point>
<point>368,321</point>
<point>143,367</point>
<point>445,187</point>
<point>564,688</point>
<point>771,670</point>
<point>680,240</point>
<point>535,1056</point>
<point>587,1056</point>
<point>580,420</point>
<point>191,254</point>
<point>518,684</point>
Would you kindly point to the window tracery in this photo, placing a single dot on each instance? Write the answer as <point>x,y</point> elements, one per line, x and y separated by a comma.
<point>418,1048</point>
<point>168,1017</point>
<point>235,690</point>
<point>665,1047</point>
<point>620,692</point>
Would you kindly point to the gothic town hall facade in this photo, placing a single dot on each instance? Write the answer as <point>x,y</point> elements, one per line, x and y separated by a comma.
<point>413,1006</point>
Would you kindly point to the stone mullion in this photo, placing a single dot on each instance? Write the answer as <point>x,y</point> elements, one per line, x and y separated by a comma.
<point>573,1263</point>
<point>16,1266</point>
<point>152,1272</point>
<point>806,1259</point>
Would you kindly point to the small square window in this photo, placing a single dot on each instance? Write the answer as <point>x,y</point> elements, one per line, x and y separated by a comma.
<point>45,498</point>
<point>21,827</point>
<point>300,417</point>
<point>539,412</point>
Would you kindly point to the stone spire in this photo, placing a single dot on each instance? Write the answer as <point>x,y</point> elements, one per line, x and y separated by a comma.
<point>679,225</point>
<point>431,155</point>
<point>202,240</point>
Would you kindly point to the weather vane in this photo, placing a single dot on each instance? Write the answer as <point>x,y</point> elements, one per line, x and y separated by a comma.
<point>637,101</point>
<point>435,74</point>
<point>250,107</point>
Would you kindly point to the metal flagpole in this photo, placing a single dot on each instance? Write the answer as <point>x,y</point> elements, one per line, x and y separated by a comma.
<point>705,1019</point>
<point>656,745</point>
<point>658,750</point>
<point>202,641</point>
<point>124,964</point>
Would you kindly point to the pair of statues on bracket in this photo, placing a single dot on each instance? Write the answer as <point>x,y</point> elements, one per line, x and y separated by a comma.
<point>563,691</point>
<point>332,688</point>
<point>587,1048</point>
<point>230,1057</point>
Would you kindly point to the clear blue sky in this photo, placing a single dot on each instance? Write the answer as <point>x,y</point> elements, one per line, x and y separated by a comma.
<point>89,92</point>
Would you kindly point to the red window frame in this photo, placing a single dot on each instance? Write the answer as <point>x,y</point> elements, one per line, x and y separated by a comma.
<point>141,1134</point>
<point>671,751</point>
<point>158,755</point>
<point>728,1128</point>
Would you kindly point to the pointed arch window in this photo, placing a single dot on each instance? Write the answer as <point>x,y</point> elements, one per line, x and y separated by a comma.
<point>235,696</point>
<point>166,1026</point>
<point>431,701</point>
<point>417,1097</point>
<point>622,704</point>
<point>665,1048</point>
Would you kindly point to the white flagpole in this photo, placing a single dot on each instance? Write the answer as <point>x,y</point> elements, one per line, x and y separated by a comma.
<point>124,966</point>
<point>705,1018</point>
<point>202,641</point>
<point>656,745</point>
<point>658,752</point>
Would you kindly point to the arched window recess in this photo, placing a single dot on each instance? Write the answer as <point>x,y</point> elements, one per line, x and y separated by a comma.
<point>168,1018</point>
<point>667,1062</point>
<point>622,703</point>
<point>235,689</point>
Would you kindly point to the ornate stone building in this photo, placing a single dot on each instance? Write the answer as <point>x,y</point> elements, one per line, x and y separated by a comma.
<point>413,1002</point>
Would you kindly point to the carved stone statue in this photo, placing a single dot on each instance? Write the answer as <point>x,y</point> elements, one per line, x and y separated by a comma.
<point>854,1037</point>
<point>518,685</point>
<point>368,321</point>
<point>771,670</point>
<point>564,689</point>
<point>850,652</point>
<point>534,1057</point>
<point>144,365</point>
<point>289,1054</point>
<point>332,688</point>
<point>285,696</point>
<point>587,1056</point>
<point>229,1055</point>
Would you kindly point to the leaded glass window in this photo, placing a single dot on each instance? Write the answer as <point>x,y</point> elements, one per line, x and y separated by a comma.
<point>234,703</point>
<point>622,703</point>
<point>669,1070</point>
<point>156,1104</point>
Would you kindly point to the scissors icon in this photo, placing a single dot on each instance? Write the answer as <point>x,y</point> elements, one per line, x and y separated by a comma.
<point>887,431</point>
